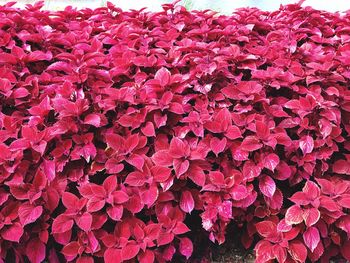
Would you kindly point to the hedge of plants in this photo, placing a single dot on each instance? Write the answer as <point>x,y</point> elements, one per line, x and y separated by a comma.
<point>126,135</point>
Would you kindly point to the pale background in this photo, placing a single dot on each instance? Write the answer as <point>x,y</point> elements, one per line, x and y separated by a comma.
<point>223,6</point>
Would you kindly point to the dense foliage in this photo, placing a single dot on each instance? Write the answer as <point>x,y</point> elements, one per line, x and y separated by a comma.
<point>119,129</point>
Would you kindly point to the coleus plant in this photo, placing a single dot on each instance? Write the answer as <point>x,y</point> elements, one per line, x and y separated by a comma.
<point>130,135</point>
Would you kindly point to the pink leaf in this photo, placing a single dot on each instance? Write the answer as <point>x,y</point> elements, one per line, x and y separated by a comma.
<point>311,216</point>
<point>162,158</point>
<point>294,215</point>
<point>186,201</point>
<point>115,212</point>
<point>136,161</point>
<point>181,167</point>
<point>149,196</point>
<point>186,247</point>
<point>163,76</point>
<point>267,186</point>
<point>217,145</point>
<point>148,129</point>
<point>311,238</point>
<point>49,169</point>
<point>93,119</point>
<point>233,132</point>
<point>271,161</point>
<point>306,144</point>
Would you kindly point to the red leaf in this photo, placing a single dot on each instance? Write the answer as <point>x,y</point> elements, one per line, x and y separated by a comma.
<point>135,179</point>
<point>85,260</point>
<point>84,221</point>
<point>345,250</point>
<point>180,228</point>
<point>35,251</point>
<point>344,201</point>
<point>197,175</point>
<point>186,201</point>
<point>280,253</point>
<point>120,197</point>
<point>12,233</point>
<point>130,251</point>
<point>262,130</point>
<point>311,190</point>
<point>160,174</point>
<point>217,145</point>
<point>249,87</point>
<point>250,144</point>
<point>267,229</point>
<point>239,192</point>
<point>311,238</point>
<point>71,250</point>
<point>233,132</point>
<point>116,142</point>
<point>146,257</point>
<point>70,200</point>
<point>93,119</point>
<point>94,205</point>
<point>341,167</point>
<point>112,255</point>
<point>61,224</point>
<point>28,213</point>
<point>298,251</point>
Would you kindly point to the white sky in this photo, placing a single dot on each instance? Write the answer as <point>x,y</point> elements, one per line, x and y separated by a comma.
<point>224,6</point>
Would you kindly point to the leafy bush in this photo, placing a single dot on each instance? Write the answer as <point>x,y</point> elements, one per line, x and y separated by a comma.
<point>119,130</point>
